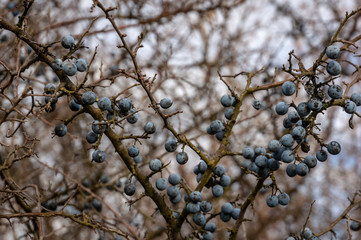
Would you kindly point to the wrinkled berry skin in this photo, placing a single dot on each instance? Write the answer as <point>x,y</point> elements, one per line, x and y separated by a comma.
<point>333,68</point>
<point>335,92</point>
<point>81,65</point>
<point>57,64</point>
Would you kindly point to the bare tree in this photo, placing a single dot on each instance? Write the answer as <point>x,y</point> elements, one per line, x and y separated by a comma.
<point>183,119</point>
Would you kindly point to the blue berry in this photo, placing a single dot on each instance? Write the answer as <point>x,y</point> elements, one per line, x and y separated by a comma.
<point>355,226</point>
<point>227,208</point>
<point>248,152</point>
<point>166,103</point>
<point>195,196</point>
<point>207,236</point>
<point>74,106</point>
<point>287,140</point>
<point>49,88</point>
<point>287,156</point>
<point>314,104</point>
<point>174,179</point>
<point>263,172</point>
<point>133,151</point>
<point>92,137</point>
<point>98,156</point>
<point>138,159</point>
<point>356,98</point>
<point>202,166</point>
<point>69,69</point>
<point>335,92</point>
<point>310,161</point>
<point>225,181</point>
<point>281,108</point>
<point>293,117</point>
<point>283,198</point>
<point>261,161</point>
<point>97,204</point>
<point>182,158</point>
<point>307,233</point>
<point>287,123</point>
<point>274,145</point>
<point>302,169</point>
<point>235,213</point>
<point>132,118</point>
<point>227,100</point>
<point>98,128</point>
<point>104,104</point>
<point>129,188</point>
<point>176,215</point>
<point>171,144</point>
<point>225,217</point>
<point>81,65</point>
<point>229,113</point>
<point>210,227</point>
<point>104,179</point>
<point>273,164</point>
<point>288,88</point>
<point>199,219</point>
<point>149,128</point>
<point>205,206</point>
<point>11,5</point>
<point>215,126</point>
<point>161,184</point>
<point>125,104</point>
<point>220,135</point>
<point>278,155</point>
<point>87,183</point>
<point>57,64</point>
<point>199,177</point>
<point>303,109</point>
<point>291,170</point>
<point>67,41</point>
<point>155,165</point>
<point>172,191</point>
<point>217,190</point>
<point>53,100</point>
<point>334,148</point>
<point>253,167</point>
<point>257,104</point>
<point>321,155</point>
<point>298,133</point>
<point>192,207</point>
<point>196,169</point>
<point>350,106</point>
<point>51,205</point>
<point>88,97</point>
<point>272,200</point>
<point>333,52</point>
<point>219,170</point>
<point>60,130</point>
<point>260,151</point>
<point>118,183</point>
<point>333,68</point>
